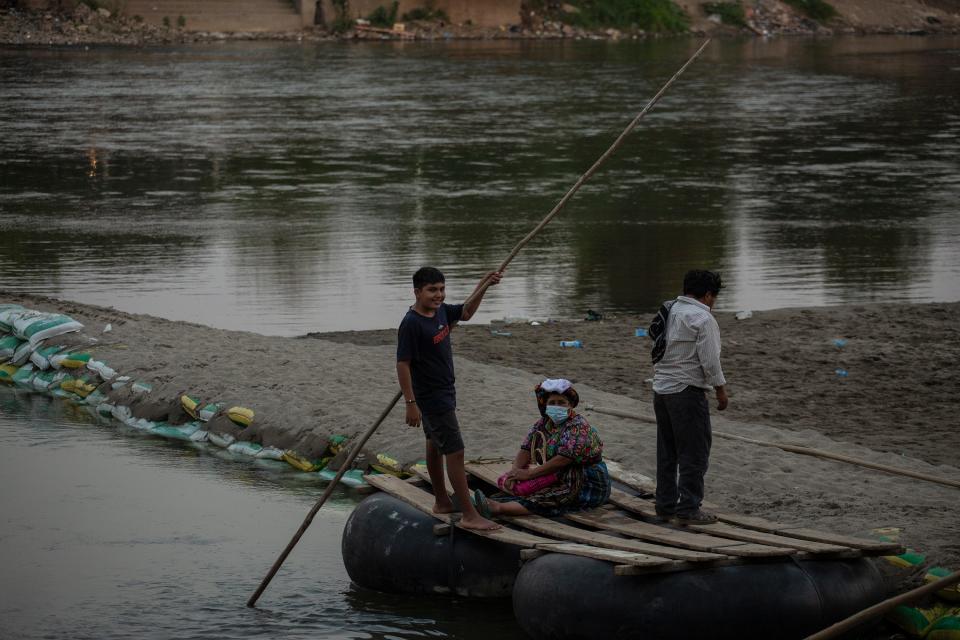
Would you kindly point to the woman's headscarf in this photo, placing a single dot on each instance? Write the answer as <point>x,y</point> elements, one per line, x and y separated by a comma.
<point>553,386</point>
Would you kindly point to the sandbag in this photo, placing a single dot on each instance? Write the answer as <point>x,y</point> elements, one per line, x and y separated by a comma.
<point>47,380</point>
<point>179,432</point>
<point>208,411</point>
<point>22,355</point>
<point>302,463</point>
<point>24,376</point>
<point>9,313</point>
<point>222,440</point>
<point>352,478</point>
<point>69,360</point>
<point>240,415</point>
<point>35,326</point>
<point>951,593</point>
<point>7,371</point>
<point>8,346</point>
<point>245,448</point>
<point>42,354</point>
<point>915,621</point>
<point>386,464</point>
<point>101,369</point>
<point>947,627</point>
<point>270,453</point>
<point>190,404</point>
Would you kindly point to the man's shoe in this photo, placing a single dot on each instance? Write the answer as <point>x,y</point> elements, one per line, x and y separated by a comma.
<point>665,516</point>
<point>697,517</point>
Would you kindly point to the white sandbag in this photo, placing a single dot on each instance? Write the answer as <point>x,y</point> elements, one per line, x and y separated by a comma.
<point>24,376</point>
<point>47,380</point>
<point>9,313</point>
<point>120,382</point>
<point>22,355</point>
<point>222,440</point>
<point>122,413</point>
<point>105,409</point>
<point>245,448</point>
<point>102,370</point>
<point>41,355</point>
<point>270,453</point>
<point>35,326</point>
<point>8,346</point>
<point>199,436</point>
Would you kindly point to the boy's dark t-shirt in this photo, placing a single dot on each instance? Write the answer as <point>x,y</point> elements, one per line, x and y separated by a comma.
<point>425,342</point>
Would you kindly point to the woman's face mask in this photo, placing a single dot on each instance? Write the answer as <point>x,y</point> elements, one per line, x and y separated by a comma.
<point>558,414</point>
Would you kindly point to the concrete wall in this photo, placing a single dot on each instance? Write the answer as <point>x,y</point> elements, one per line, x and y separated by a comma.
<point>485,13</point>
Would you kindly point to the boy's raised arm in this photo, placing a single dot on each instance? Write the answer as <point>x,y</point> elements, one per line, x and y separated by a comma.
<point>472,303</point>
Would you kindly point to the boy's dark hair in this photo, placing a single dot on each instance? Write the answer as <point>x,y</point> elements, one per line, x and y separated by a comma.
<point>425,276</point>
<point>700,282</point>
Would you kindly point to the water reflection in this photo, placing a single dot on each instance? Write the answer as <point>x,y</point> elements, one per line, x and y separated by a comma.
<point>285,188</point>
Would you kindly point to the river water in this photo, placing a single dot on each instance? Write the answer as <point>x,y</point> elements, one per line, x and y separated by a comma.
<point>286,188</point>
<point>107,534</point>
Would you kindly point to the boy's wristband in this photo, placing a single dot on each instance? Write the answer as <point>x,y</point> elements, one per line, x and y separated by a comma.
<point>411,402</point>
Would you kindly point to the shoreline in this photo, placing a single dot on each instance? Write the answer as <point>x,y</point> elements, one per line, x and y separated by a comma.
<point>84,27</point>
<point>780,365</point>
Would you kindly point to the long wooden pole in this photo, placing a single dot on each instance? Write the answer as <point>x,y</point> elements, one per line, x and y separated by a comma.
<point>596,165</point>
<point>366,436</point>
<point>806,451</point>
<point>354,451</point>
<point>880,608</point>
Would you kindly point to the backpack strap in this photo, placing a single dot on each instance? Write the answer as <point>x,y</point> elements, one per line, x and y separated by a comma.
<point>658,331</point>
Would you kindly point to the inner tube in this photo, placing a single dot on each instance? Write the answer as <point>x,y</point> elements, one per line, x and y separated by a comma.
<point>560,596</point>
<point>390,546</point>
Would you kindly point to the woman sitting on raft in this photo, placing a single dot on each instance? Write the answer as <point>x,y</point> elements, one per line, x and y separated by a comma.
<point>568,472</point>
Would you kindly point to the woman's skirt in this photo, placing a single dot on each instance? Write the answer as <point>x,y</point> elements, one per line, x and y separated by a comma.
<point>579,488</point>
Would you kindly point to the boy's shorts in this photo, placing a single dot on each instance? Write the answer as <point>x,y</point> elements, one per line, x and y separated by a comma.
<point>443,430</point>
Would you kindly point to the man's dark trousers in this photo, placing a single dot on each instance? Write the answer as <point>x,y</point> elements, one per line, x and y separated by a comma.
<point>683,440</point>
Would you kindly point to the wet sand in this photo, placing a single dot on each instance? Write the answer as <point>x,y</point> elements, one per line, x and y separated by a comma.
<point>895,406</point>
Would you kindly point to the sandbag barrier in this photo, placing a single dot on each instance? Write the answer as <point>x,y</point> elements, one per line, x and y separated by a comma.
<point>45,352</point>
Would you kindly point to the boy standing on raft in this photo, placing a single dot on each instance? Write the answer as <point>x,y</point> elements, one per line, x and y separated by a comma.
<point>689,368</point>
<point>425,372</point>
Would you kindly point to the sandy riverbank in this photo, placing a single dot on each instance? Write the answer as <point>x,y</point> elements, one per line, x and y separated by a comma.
<point>896,405</point>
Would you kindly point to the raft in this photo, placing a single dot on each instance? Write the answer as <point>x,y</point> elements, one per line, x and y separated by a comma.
<point>615,571</point>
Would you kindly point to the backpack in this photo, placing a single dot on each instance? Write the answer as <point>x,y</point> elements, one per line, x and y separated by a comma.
<point>658,331</point>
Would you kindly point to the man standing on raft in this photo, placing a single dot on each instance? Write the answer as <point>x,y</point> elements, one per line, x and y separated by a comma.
<point>689,368</point>
<point>425,372</point>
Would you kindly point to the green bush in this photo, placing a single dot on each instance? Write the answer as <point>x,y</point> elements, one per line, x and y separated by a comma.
<point>181,21</point>
<point>649,15</point>
<point>729,12</point>
<point>341,19</point>
<point>383,17</point>
<point>816,9</point>
<point>426,13</point>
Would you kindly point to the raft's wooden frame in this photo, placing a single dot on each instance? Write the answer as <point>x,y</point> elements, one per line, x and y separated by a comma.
<point>627,534</point>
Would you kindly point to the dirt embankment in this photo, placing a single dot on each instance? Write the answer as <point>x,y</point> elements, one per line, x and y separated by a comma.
<point>82,25</point>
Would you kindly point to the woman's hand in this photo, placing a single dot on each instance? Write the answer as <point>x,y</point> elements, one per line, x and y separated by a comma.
<point>519,474</point>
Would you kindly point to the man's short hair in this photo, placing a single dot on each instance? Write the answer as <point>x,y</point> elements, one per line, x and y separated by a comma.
<point>700,282</point>
<point>425,276</point>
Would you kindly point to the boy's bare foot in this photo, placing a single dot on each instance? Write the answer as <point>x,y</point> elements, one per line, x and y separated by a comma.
<point>443,507</point>
<point>479,523</point>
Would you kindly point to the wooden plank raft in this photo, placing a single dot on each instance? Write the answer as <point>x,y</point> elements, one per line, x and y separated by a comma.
<point>622,523</point>
<point>423,500</point>
<point>554,529</point>
<point>643,484</point>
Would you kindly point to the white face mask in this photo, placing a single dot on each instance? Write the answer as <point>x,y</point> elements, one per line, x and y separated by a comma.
<point>558,414</point>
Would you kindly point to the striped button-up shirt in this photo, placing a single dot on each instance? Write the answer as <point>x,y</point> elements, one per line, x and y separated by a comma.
<point>692,357</point>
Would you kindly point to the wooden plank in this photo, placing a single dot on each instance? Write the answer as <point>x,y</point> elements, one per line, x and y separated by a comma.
<point>696,542</point>
<point>761,524</point>
<point>490,472</point>
<point>424,501</point>
<point>722,530</point>
<point>614,521</point>
<point>566,532</point>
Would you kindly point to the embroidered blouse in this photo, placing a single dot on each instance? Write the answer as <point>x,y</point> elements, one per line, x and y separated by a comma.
<point>575,439</point>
